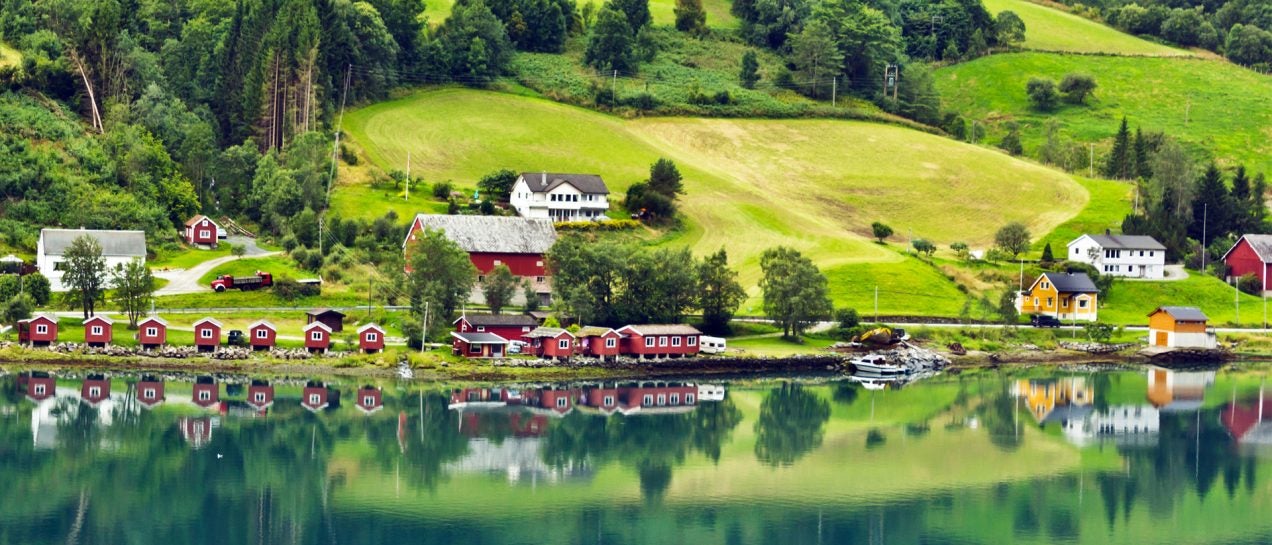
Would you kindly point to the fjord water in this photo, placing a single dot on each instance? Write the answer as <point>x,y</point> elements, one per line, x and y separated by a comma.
<point>1138,457</point>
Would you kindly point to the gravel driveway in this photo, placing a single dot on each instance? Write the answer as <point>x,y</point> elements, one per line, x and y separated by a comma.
<point>187,280</point>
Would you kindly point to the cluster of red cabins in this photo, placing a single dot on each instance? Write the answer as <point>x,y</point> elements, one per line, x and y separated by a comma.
<point>489,336</point>
<point>605,399</point>
<point>152,332</point>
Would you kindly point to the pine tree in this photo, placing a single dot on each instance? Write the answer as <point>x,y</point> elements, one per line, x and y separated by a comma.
<point>1141,165</point>
<point>1047,257</point>
<point>750,70</point>
<point>1212,208</point>
<point>1119,164</point>
<point>1242,205</point>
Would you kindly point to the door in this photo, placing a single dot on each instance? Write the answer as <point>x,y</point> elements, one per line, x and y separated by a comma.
<point>1162,338</point>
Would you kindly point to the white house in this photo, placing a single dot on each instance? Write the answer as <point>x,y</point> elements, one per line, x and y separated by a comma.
<point>118,248</point>
<point>560,197</point>
<point>1132,256</point>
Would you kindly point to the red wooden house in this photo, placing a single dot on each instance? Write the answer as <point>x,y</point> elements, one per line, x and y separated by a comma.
<point>98,330</point>
<point>150,392</point>
<point>317,337</point>
<point>207,335</point>
<point>660,341</point>
<point>370,399</point>
<point>648,398</point>
<point>263,335</point>
<point>38,330</point>
<point>370,338</point>
<point>316,396</point>
<point>333,318</point>
<point>201,230</point>
<point>95,389</point>
<point>473,344</point>
<point>551,343</point>
<point>152,332</point>
<point>508,326</point>
<point>1252,254</point>
<point>40,386</point>
<point>206,392</point>
<point>599,342</point>
<point>260,395</point>
<point>491,241</point>
<point>557,401</point>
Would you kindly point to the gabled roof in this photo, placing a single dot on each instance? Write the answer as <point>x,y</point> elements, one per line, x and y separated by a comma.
<point>548,332</point>
<point>661,329</point>
<point>1068,282</point>
<point>197,218</point>
<point>594,331</point>
<point>491,234</point>
<point>474,337</point>
<point>113,243</point>
<point>154,319</point>
<point>1182,314</point>
<point>319,325</point>
<point>209,320</point>
<point>498,320</point>
<point>321,311</point>
<point>99,318</point>
<point>1261,244</point>
<point>543,182</point>
<point>265,323</point>
<point>370,326</point>
<point>46,316</point>
<point>1125,242</point>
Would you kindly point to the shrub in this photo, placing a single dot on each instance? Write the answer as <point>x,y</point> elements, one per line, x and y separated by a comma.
<point>1077,87</point>
<point>723,98</point>
<point>1042,93</point>
<point>602,225</point>
<point>1099,332</point>
<point>643,101</point>
<point>847,318</point>
<point>347,155</point>
<point>923,246</point>
<point>287,289</point>
<point>442,190</point>
<point>1250,284</point>
<point>880,231</point>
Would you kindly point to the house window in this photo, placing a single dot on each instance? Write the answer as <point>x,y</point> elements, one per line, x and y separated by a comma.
<point>205,395</point>
<point>1050,301</point>
<point>688,399</point>
<point>205,333</point>
<point>647,400</point>
<point>94,391</point>
<point>609,400</point>
<point>1075,251</point>
<point>262,333</point>
<point>314,399</point>
<point>39,389</point>
<point>41,329</point>
<point>148,393</point>
<point>1082,303</point>
<point>675,399</point>
<point>611,343</point>
<point>649,342</point>
<point>675,341</point>
<point>563,402</point>
<point>315,336</point>
<point>259,397</point>
<point>474,349</point>
<point>368,401</point>
<point>525,329</point>
<point>97,330</point>
<point>498,262</point>
<point>1046,286</point>
<point>372,337</point>
<point>662,341</point>
<point>538,263</point>
<point>662,399</point>
<point>1035,301</point>
<point>481,328</point>
<point>563,344</point>
<point>152,332</point>
<point>204,234</point>
<point>540,279</point>
<point>692,341</point>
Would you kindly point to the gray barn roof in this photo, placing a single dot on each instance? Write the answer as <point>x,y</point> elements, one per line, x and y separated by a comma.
<point>1128,242</point>
<point>1261,244</point>
<point>1183,314</point>
<point>500,320</point>
<point>1072,282</point>
<point>542,182</point>
<point>473,337</point>
<point>493,234</point>
<point>114,243</point>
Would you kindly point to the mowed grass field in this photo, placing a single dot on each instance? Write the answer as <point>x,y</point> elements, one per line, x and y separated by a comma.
<point>1207,104</point>
<point>815,185</point>
<point>1110,203</point>
<point>1048,29</point>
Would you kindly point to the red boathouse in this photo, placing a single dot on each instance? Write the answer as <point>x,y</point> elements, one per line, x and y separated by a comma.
<point>263,335</point>
<point>370,339</point>
<point>207,335</point>
<point>150,392</point>
<point>260,395</point>
<point>508,326</point>
<point>38,330</point>
<point>660,341</point>
<point>98,331</point>
<point>316,396</point>
<point>317,337</point>
<point>95,389</point>
<point>551,343</point>
<point>1252,254</point>
<point>599,342</point>
<point>206,392</point>
<point>370,399</point>
<point>152,332</point>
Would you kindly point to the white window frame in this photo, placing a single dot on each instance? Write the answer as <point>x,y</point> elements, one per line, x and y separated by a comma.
<point>94,391</point>
<point>562,402</point>
<point>368,401</point>
<point>474,348</point>
<point>611,342</point>
<point>481,328</point>
<point>41,329</point>
<point>688,399</point>
<point>97,330</point>
<point>205,395</point>
<point>649,342</point>
<point>372,337</point>
<point>205,332</point>
<point>692,341</point>
<point>259,397</point>
<point>675,399</point>
<point>607,401</point>
<point>204,233</point>
<point>662,399</point>
<point>40,389</point>
<point>262,333</point>
<point>315,336</point>
<point>563,344</point>
<point>662,341</point>
<point>314,399</point>
<point>152,332</point>
<point>675,341</point>
<point>647,400</point>
<point>148,393</point>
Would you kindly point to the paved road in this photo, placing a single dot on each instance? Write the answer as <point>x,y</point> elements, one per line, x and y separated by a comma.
<point>187,280</point>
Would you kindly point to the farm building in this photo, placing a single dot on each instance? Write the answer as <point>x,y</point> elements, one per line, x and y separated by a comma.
<point>370,399</point>
<point>370,338</point>
<point>1132,256</point>
<point>1179,327</point>
<point>659,340</point>
<point>150,392</point>
<point>560,197</point>
<point>551,343</point>
<point>490,241</point>
<point>473,344</point>
<point>207,335</point>
<point>1252,254</point>
<point>262,335</point>
<point>118,249</point>
<point>38,330</point>
<point>1066,296</point>
<point>599,342</point>
<point>333,318</point>
<point>152,332</point>
<point>201,231</point>
<point>317,337</point>
<point>98,330</point>
<point>508,326</point>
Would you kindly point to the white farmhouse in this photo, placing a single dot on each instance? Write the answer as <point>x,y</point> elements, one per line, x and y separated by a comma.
<point>118,248</point>
<point>560,197</point>
<point>1132,256</point>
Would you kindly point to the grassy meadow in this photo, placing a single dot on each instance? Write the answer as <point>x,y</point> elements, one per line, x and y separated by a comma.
<point>10,56</point>
<point>1048,29</point>
<point>1109,204</point>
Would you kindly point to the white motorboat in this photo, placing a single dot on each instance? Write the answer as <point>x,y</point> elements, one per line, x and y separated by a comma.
<point>877,365</point>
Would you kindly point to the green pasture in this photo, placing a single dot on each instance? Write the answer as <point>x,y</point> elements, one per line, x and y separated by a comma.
<point>1048,29</point>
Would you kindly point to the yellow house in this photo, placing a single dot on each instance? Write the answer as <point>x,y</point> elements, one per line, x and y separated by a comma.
<point>1066,296</point>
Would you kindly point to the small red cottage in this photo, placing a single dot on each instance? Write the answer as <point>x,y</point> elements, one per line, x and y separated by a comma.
<point>1252,254</point>
<point>599,342</point>
<point>263,335</point>
<point>206,392</point>
<point>38,330</point>
<point>558,401</point>
<point>150,392</point>
<point>370,399</point>
<point>152,332</point>
<point>551,343</point>
<point>207,335</point>
<point>660,341</point>
<point>98,330</point>
<point>333,318</point>
<point>508,326</point>
<point>40,386</point>
<point>317,337</point>
<point>201,231</point>
<point>478,345</point>
<point>370,338</point>
<point>95,389</point>
<point>315,397</point>
<point>260,395</point>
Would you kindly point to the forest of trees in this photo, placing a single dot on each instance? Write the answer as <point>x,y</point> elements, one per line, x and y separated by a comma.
<point>1238,29</point>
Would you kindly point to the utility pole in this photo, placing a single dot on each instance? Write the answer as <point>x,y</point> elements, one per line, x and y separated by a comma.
<point>891,75</point>
<point>320,236</point>
<point>408,175</point>
<point>834,90</point>
<point>1205,212</point>
<point>1091,163</point>
<point>935,19</point>
<point>424,331</point>
<point>614,90</point>
<point>1236,302</point>
<point>876,304</point>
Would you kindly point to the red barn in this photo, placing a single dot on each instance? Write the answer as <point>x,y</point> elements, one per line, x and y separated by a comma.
<point>660,341</point>
<point>150,392</point>
<point>263,335</point>
<point>98,330</point>
<point>315,397</point>
<point>40,386</point>
<point>599,342</point>
<point>491,241</point>
<point>38,330</point>
<point>152,332</point>
<point>478,345</point>
<point>317,337</point>
<point>207,335</point>
<point>371,338</point>
<point>95,389</point>
<point>370,399</point>
<point>508,326</point>
<point>206,392</point>
<point>551,343</point>
<point>260,395</point>
<point>201,230</point>
<point>1252,254</point>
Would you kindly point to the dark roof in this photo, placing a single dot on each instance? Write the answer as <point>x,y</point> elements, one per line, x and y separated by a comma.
<point>1261,244</point>
<point>197,218</point>
<point>663,329</point>
<point>1127,242</point>
<point>473,337</point>
<point>593,331</point>
<point>550,332</point>
<point>1072,282</point>
<point>493,234</point>
<point>543,182</point>
<point>321,311</point>
<point>113,243</point>
<point>1183,314</point>
<point>500,319</point>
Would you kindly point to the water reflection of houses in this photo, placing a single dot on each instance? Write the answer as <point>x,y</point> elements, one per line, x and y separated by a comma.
<point>197,431</point>
<point>1175,391</point>
<point>1055,400</point>
<point>1070,403</point>
<point>1250,424</point>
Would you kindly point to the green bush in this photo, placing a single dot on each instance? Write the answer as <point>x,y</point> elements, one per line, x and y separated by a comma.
<point>602,225</point>
<point>442,190</point>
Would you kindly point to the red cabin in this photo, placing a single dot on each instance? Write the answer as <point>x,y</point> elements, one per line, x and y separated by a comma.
<point>1252,254</point>
<point>206,392</point>
<point>150,392</point>
<point>370,338</point>
<point>38,330</point>
<point>263,335</point>
<point>370,399</point>
<point>599,342</point>
<point>315,397</point>
<point>207,335</point>
<point>551,343</point>
<point>660,341</point>
<point>40,386</point>
<point>260,395</point>
<point>508,326</point>
<point>478,345</point>
<point>98,331</point>
<point>152,332</point>
<point>317,337</point>
<point>201,230</point>
<point>657,398</point>
<point>95,389</point>
<point>558,401</point>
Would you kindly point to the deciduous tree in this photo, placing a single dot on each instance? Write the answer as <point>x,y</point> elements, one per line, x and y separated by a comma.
<point>85,273</point>
<point>719,293</point>
<point>441,275</point>
<point>1013,238</point>
<point>1042,93</point>
<point>499,287</point>
<point>134,287</point>
<point>794,290</point>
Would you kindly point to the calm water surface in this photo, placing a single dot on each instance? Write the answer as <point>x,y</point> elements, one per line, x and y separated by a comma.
<point>1142,457</point>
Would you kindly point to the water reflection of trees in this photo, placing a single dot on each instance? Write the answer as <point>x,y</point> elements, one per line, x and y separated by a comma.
<point>790,424</point>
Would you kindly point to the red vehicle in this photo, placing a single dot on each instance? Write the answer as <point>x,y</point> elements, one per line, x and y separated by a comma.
<point>261,279</point>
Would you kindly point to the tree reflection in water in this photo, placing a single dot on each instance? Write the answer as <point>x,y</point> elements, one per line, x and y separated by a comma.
<point>790,424</point>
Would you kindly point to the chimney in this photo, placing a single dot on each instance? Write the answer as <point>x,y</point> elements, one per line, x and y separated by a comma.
<point>544,182</point>
<point>1108,232</point>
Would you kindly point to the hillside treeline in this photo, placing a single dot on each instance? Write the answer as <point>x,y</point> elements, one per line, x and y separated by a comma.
<point>1238,29</point>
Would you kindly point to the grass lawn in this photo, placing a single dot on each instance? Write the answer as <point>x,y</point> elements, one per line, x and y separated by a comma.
<point>10,56</point>
<point>188,257</point>
<point>279,266</point>
<point>353,200</point>
<point>1109,204</point>
<point>815,185</point>
<point>777,346</point>
<point>1209,105</point>
<point>718,15</point>
<point>1130,302</point>
<point>1048,29</point>
<point>908,287</point>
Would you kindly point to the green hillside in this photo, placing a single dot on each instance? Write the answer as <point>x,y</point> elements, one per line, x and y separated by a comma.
<point>1207,104</point>
<point>718,15</point>
<point>1047,29</point>
<point>9,56</point>
<point>751,184</point>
